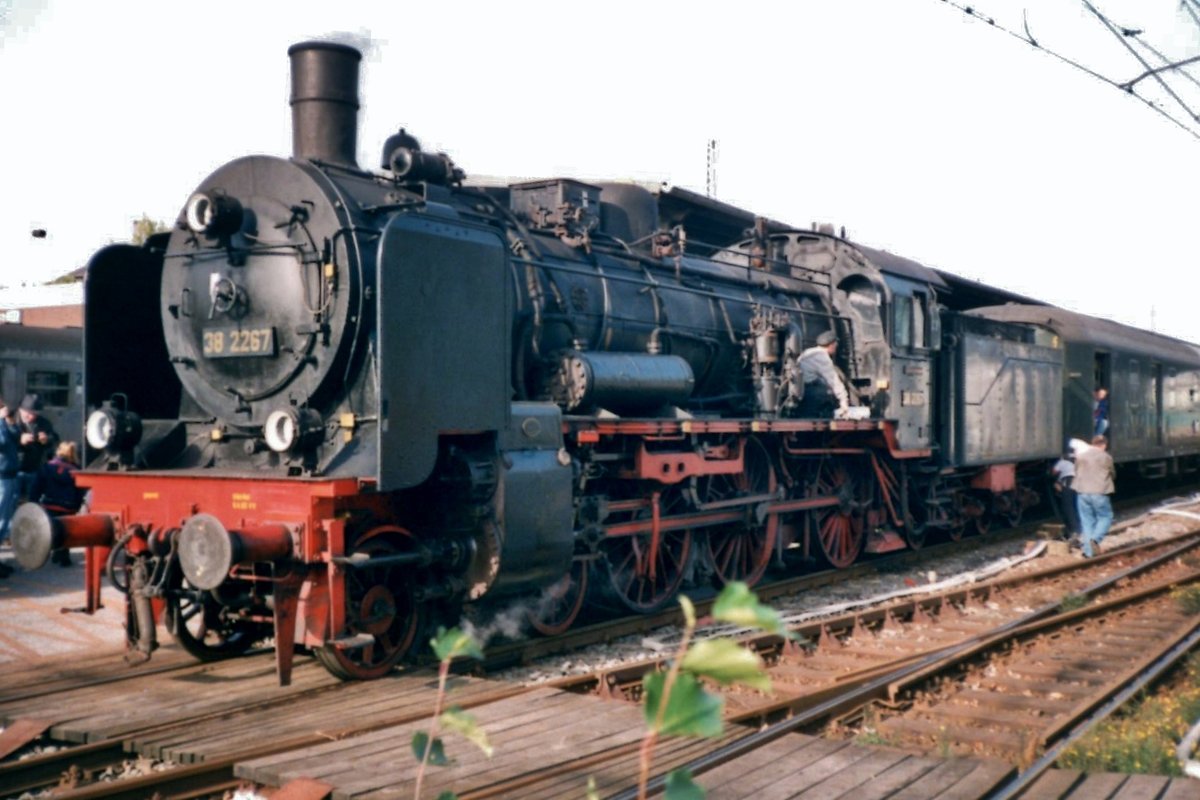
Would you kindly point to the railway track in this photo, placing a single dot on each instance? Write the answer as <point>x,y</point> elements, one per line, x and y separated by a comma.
<point>507,654</point>
<point>173,736</point>
<point>881,636</point>
<point>1071,691</point>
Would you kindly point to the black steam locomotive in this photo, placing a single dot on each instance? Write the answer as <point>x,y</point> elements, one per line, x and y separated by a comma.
<point>335,403</point>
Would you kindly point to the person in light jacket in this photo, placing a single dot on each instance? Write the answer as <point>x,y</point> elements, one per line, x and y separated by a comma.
<point>824,392</point>
<point>1095,476</point>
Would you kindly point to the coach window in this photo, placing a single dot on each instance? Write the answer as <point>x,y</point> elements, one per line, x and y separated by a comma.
<point>902,321</point>
<point>54,387</point>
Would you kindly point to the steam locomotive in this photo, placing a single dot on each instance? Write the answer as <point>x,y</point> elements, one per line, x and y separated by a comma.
<point>333,405</point>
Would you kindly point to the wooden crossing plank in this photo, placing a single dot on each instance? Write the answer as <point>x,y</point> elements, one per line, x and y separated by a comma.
<point>1053,785</point>
<point>80,699</point>
<point>324,760</point>
<point>1143,787</point>
<point>93,713</point>
<point>841,783</point>
<point>843,758</point>
<point>620,772</point>
<point>739,769</point>
<point>177,700</point>
<point>892,780</point>
<point>937,780</point>
<point>521,750</point>
<point>355,759</point>
<point>979,782</point>
<point>796,762</point>
<point>301,790</point>
<point>1182,789</point>
<point>20,733</point>
<point>333,715</point>
<point>190,742</point>
<point>528,751</point>
<point>1098,786</point>
<point>53,674</point>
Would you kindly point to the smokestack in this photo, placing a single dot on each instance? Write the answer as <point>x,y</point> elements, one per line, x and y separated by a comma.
<point>325,102</point>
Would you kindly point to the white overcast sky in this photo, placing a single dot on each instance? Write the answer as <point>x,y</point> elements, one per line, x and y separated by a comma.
<point>922,131</point>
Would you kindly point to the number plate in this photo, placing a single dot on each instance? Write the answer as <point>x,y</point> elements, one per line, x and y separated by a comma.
<point>232,342</point>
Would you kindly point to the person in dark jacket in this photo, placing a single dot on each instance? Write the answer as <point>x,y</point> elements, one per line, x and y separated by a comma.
<point>10,461</point>
<point>1100,412</point>
<point>1064,477</point>
<point>38,441</point>
<point>54,489</point>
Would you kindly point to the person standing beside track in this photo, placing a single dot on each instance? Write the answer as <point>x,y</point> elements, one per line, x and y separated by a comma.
<point>1094,482</point>
<point>1064,479</point>
<point>10,459</point>
<point>38,440</point>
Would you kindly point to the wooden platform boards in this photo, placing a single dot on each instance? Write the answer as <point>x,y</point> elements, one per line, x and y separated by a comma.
<point>31,678</point>
<point>186,711</point>
<point>1070,784</point>
<point>356,737</point>
<point>548,743</point>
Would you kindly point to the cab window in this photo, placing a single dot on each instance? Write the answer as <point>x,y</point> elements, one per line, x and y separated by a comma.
<point>918,319</point>
<point>902,321</point>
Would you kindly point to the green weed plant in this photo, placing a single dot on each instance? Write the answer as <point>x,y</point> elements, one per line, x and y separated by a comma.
<point>428,746</point>
<point>1143,740</point>
<point>1188,598</point>
<point>676,702</point>
<point>1071,601</point>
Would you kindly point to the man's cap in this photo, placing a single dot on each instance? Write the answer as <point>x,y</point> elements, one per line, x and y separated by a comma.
<point>31,403</point>
<point>826,338</point>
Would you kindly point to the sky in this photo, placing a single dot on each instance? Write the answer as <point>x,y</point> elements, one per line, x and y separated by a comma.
<point>923,131</point>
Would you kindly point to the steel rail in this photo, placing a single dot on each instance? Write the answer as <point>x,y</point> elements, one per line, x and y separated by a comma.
<point>882,685</point>
<point>1165,662</point>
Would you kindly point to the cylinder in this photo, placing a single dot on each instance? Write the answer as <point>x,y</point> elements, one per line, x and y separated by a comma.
<point>35,532</point>
<point>621,382</point>
<point>207,551</point>
<point>325,102</point>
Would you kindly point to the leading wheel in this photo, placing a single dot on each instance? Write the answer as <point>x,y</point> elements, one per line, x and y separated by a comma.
<point>381,613</point>
<point>560,604</point>
<point>741,551</point>
<point>205,628</point>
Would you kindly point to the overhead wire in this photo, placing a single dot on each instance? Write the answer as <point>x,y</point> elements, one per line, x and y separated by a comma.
<point>1193,6</point>
<point>1122,35</point>
<point>1169,64</point>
